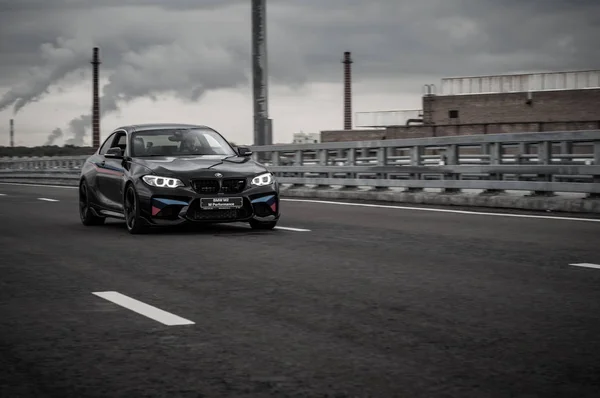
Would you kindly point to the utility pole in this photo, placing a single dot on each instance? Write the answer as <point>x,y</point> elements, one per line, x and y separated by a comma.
<point>263,134</point>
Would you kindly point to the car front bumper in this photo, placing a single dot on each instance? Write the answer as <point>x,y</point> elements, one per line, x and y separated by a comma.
<point>170,206</point>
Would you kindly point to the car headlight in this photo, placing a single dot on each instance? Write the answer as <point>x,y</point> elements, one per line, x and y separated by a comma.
<point>263,179</point>
<point>162,182</point>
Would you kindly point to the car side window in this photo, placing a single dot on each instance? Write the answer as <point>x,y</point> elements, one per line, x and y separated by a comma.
<point>106,146</point>
<point>121,141</point>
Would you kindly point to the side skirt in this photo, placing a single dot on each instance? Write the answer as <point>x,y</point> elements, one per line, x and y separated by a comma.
<point>109,213</point>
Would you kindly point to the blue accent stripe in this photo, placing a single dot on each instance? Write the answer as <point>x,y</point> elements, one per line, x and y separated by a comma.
<point>263,199</point>
<point>108,167</point>
<point>170,201</point>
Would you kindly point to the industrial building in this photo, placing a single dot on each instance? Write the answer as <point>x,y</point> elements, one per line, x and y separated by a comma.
<point>555,101</point>
<point>306,138</point>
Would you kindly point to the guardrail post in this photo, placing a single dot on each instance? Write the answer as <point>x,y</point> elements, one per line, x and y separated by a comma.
<point>496,153</point>
<point>566,147</point>
<point>382,157</point>
<point>351,157</point>
<point>350,161</point>
<point>323,157</point>
<point>595,178</point>
<point>544,153</point>
<point>451,155</point>
<point>416,160</point>
<point>339,155</point>
<point>364,153</point>
<point>298,161</point>
<point>275,158</point>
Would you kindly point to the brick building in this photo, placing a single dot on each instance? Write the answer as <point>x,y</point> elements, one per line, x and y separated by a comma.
<point>489,105</point>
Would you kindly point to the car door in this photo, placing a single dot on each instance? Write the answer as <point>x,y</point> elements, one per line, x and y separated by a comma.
<point>110,173</point>
<point>99,179</point>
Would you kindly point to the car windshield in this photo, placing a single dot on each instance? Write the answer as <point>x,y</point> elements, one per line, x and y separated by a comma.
<point>179,142</point>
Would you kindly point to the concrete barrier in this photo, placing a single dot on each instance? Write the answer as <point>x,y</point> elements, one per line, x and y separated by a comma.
<point>557,171</point>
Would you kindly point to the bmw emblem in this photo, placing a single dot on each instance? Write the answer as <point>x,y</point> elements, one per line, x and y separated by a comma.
<point>218,175</point>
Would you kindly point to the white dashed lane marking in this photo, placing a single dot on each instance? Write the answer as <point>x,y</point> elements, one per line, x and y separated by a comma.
<point>2,194</point>
<point>164,317</point>
<point>586,265</point>
<point>293,229</point>
<point>48,200</point>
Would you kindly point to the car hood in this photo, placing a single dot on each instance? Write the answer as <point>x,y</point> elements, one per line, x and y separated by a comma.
<point>200,166</point>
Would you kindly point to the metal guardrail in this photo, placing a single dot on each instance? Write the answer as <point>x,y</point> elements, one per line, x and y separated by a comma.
<point>567,161</point>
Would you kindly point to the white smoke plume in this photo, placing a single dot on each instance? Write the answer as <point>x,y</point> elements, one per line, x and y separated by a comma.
<point>60,59</point>
<point>54,135</point>
<point>184,71</point>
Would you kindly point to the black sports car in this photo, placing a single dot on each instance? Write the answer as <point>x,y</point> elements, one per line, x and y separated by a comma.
<point>165,174</point>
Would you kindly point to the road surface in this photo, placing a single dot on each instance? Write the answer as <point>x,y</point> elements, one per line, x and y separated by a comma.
<point>343,301</point>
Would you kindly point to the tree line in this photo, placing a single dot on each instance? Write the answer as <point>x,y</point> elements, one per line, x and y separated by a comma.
<point>49,150</point>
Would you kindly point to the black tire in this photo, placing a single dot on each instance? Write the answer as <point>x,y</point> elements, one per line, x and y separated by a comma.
<point>264,225</point>
<point>131,211</point>
<point>85,212</point>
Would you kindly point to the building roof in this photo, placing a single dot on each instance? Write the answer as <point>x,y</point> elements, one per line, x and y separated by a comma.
<point>522,82</point>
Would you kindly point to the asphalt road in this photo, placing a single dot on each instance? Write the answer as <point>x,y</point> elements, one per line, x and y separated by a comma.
<point>357,302</point>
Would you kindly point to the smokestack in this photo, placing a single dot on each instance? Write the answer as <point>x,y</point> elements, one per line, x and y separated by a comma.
<point>262,135</point>
<point>95,102</point>
<point>347,91</point>
<point>12,133</point>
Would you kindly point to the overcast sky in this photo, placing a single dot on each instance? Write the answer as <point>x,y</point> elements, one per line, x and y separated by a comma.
<point>189,60</point>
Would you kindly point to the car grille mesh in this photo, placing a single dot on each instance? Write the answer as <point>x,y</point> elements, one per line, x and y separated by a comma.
<point>206,186</point>
<point>233,185</point>
<point>226,186</point>
<point>218,215</point>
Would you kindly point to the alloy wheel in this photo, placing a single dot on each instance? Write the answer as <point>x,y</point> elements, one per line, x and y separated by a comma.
<point>83,201</point>
<point>130,208</point>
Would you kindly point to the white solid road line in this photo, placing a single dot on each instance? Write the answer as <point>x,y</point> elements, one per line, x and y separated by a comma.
<point>39,185</point>
<point>479,213</point>
<point>147,310</point>
<point>293,229</point>
<point>586,265</point>
<point>48,200</point>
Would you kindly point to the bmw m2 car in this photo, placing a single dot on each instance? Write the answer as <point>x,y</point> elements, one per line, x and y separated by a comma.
<point>168,174</point>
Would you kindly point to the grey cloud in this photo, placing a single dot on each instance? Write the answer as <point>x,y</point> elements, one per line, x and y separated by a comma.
<point>185,47</point>
<point>43,5</point>
<point>387,37</point>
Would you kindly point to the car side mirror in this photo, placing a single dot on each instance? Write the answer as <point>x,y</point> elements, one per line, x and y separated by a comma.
<point>243,151</point>
<point>116,153</point>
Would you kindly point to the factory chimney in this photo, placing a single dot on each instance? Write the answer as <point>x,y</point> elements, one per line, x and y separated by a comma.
<point>347,91</point>
<point>95,102</point>
<point>12,133</point>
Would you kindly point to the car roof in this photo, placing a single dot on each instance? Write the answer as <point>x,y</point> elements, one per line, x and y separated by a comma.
<point>156,126</point>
